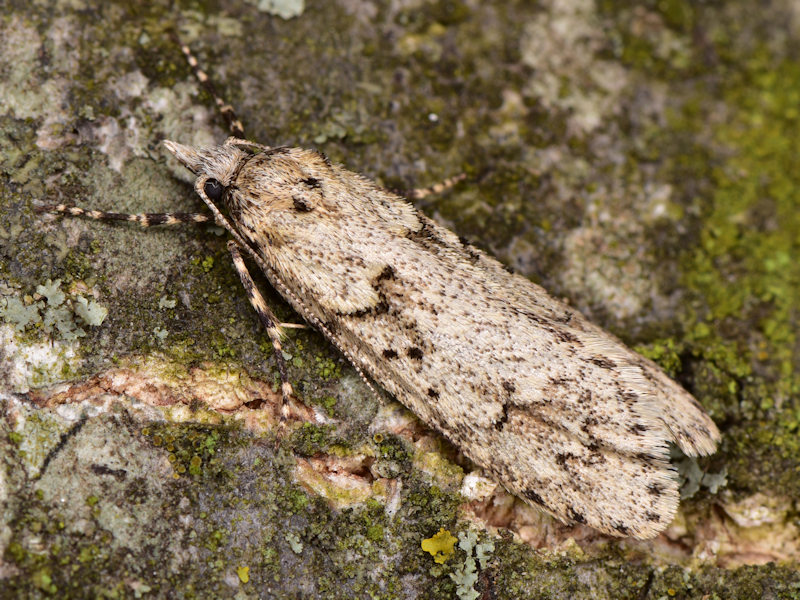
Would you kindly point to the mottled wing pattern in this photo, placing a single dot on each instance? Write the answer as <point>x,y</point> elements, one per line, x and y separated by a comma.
<point>559,411</point>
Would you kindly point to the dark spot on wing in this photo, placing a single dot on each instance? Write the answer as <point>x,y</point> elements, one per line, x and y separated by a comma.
<point>433,393</point>
<point>621,528</point>
<point>301,204</point>
<point>312,182</point>
<point>637,428</point>
<point>603,363</point>
<point>509,386</point>
<point>386,274</point>
<point>576,516</point>
<point>651,516</point>
<point>534,497</point>
<point>381,308</point>
<point>429,239</point>
<point>474,255</point>
<point>563,457</point>
<point>277,150</point>
<point>389,353</point>
<point>501,422</point>
<point>530,315</point>
<point>565,336</point>
<point>589,422</point>
<point>629,398</point>
<point>414,353</point>
<point>655,489</point>
<point>565,318</point>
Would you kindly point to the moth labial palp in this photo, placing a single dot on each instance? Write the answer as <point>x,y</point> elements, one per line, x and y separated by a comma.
<point>559,411</point>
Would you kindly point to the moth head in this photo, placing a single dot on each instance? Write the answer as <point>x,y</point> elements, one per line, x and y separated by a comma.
<point>217,163</point>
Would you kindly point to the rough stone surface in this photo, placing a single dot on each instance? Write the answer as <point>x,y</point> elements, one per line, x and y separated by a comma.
<point>639,159</point>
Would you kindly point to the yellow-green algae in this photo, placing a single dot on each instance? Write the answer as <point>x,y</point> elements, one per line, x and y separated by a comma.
<point>440,546</point>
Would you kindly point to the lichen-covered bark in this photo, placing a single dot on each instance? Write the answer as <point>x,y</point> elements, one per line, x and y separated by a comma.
<point>637,158</point>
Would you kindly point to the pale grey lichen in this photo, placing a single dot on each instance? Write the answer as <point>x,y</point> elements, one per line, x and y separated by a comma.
<point>54,309</point>
<point>483,552</point>
<point>466,575</point>
<point>52,291</point>
<point>165,302</point>
<point>16,313</point>
<point>294,542</point>
<point>693,477</point>
<point>90,311</point>
<point>160,333</point>
<point>60,319</point>
<point>285,9</point>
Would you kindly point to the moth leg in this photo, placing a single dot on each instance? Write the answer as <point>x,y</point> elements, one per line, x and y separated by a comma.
<point>144,219</point>
<point>270,324</point>
<point>275,281</point>
<point>437,188</point>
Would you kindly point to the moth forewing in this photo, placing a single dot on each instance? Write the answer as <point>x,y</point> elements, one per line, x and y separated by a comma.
<point>557,410</point>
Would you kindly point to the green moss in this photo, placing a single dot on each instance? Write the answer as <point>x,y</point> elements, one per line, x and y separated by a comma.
<point>16,552</point>
<point>328,403</point>
<point>665,353</point>
<point>192,448</point>
<point>311,439</point>
<point>327,368</point>
<point>375,533</point>
<point>438,507</point>
<point>741,314</point>
<point>44,581</point>
<point>392,448</point>
<point>207,263</point>
<point>298,500</point>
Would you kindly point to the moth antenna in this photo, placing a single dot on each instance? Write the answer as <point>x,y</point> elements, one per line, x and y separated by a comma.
<point>235,126</point>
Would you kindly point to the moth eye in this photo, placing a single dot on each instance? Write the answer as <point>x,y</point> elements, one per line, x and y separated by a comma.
<point>213,190</point>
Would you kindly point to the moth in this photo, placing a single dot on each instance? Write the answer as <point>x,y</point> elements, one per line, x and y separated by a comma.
<point>557,410</point>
